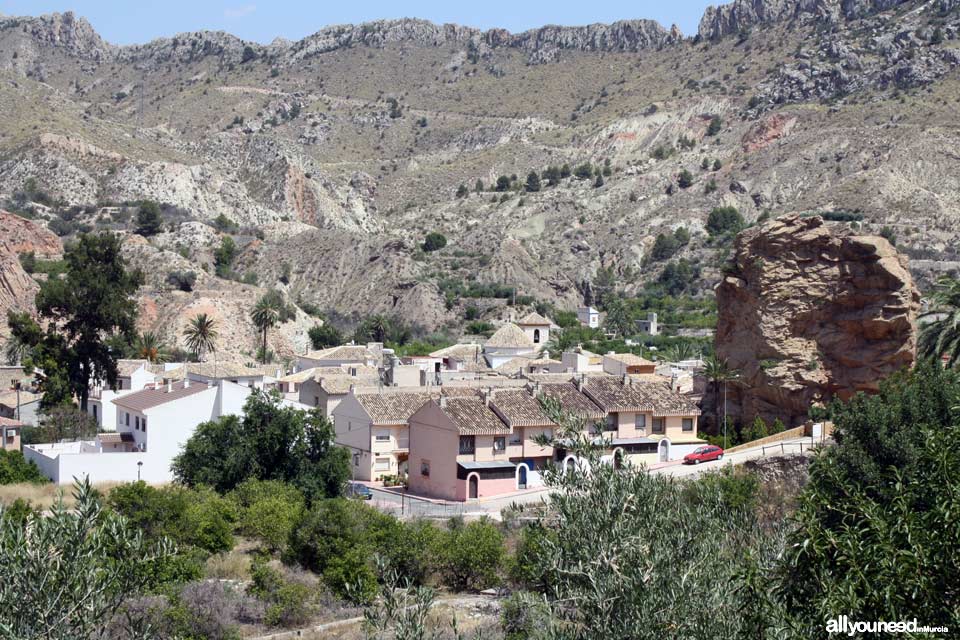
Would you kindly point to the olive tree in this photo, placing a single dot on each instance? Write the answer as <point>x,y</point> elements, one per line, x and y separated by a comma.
<point>64,573</point>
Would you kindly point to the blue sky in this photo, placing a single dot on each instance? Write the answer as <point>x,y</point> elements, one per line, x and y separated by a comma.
<point>133,21</point>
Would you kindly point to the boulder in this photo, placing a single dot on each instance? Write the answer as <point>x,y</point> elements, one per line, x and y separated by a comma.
<point>809,312</point>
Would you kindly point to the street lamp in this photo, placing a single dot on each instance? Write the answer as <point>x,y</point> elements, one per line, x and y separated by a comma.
<point>139,466</point>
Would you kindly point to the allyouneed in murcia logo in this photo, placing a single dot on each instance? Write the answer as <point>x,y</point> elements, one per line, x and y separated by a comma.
<point>843,625</point>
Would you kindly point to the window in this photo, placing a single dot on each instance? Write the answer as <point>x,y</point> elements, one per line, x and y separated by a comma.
<point>640,421</point>
<point>536,336</point>
<point>611,424</point>
<point>143,425</point>
<point>500,443</point>
<point>94,407</point>
<point>467,444</point>
<point>383,437</point>
<point>136,423</point>
<point>381,464</point>
<point>356,459</point>
<point>10,435</point>
<point>126,419</point>
<point>688,424</point>
<point>516,439</point>
<point>659,425</point>
<point>425,468</point>
<point>316,401</point>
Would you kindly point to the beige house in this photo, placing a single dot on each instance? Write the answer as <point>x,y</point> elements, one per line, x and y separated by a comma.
<point>618,364</point>
<point>370,354</point>
<point>374,427</point>
<point>10,434</point>
<point>330,385</point>
<point>646,420</point>
<point>460,450</point>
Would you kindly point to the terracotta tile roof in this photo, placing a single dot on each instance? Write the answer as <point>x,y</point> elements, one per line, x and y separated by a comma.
<point>126,368</point>
<point>518,408</point>
<point>630,359</point>
<point>472,416</point>
<point>340,384</point>
<point>393,407</point>
<point>458,352</point>
<point>115,438</point>
<point>535,320</point>
<point>613,395</point>
<point>518,363</point>
<point>221,370</point>
<point>572,399</point>
<point>9,398</point>
<point>509,335</point>
<point>346,352</point>
<point>150,398</point>
<point>10,422</point>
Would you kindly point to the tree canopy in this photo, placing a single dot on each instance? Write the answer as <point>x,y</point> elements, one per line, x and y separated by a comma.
<point>91,303</point>
<point>269,442</point>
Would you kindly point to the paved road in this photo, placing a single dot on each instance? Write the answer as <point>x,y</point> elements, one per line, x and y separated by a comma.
<point>405,505</point>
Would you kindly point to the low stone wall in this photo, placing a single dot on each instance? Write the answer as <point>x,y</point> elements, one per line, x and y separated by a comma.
<point>789,434</point>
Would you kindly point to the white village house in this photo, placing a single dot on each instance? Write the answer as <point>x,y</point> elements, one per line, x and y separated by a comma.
<point>152,425</point>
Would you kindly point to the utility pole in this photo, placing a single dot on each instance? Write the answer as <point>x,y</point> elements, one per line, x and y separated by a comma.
<point>724,414</point>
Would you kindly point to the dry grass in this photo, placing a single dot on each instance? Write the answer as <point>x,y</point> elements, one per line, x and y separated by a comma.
<point>46,494</point>
<point>234,565</point>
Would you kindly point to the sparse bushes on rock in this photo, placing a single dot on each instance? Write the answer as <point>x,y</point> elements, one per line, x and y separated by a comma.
<point>434,241</point>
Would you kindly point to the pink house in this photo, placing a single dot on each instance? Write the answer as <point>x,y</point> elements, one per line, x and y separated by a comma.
<point>458,450</point>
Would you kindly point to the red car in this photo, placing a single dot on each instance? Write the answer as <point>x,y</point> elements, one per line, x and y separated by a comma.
<point>703,454</point>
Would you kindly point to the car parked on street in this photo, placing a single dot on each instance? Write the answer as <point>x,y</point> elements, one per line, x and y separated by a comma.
<point>358,491</point>
<point>705,453</point>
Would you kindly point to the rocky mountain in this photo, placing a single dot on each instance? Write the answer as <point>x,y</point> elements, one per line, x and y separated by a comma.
<point>809,312</point>
<point>328,160</point>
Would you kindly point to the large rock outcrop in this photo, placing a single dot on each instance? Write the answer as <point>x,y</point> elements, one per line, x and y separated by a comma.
<point>811,312</point>
<point>17,288</point>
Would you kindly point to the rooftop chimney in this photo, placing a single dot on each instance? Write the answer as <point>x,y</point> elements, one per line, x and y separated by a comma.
<point>186,383</point>
<point>170,386</point>
<point>627,380</point>
<point>579,382</point>
<point>486,396</point>
<point>443,401</point>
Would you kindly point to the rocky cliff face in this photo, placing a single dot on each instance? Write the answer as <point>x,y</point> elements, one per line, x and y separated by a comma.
<point>17,288</point>
<point>811,312</point>
<point>76,36</point>
<point>741,15</point>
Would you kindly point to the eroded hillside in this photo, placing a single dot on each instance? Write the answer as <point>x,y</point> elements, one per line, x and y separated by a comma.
<point>334,156</point>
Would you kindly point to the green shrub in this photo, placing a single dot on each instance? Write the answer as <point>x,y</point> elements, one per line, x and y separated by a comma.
<point>434,241</point>
<point>269,510</point>
<point>716,124</point>
<point>14,468</point>
<point>473,555</point>
<point>723,220</point>
<point>685,179</point>
<point>325,335</point>
<point>149,222</point>
<point>351,576</point>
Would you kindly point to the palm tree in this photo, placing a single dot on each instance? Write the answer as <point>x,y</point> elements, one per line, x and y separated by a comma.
<point>151,347</point>
<point>15,351</point>
<point>678,352</point>
<point>201,336</point>
<point>718,371</point>
<point>265,314</point>
<point>941,336</point>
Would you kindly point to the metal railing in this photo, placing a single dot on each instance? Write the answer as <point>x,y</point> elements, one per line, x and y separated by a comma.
<point>783,446</point>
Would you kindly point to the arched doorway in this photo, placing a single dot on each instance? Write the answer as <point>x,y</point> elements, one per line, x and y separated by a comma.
<point>663,450</point>
<point>522,470</point>
<point>569,464</point>
<point>618,458</point>
<point>473,486</point>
